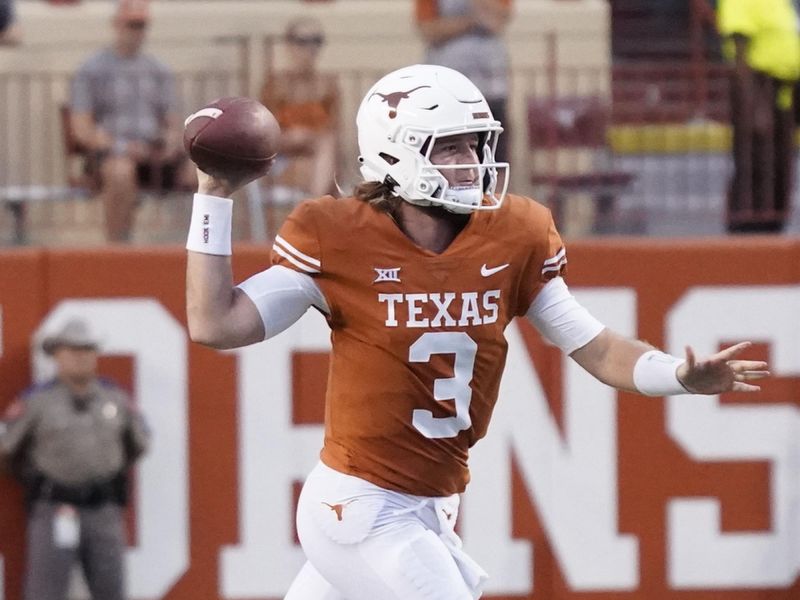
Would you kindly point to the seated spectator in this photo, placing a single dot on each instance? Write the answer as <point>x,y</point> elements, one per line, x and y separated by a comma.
<point>9,29</point>
<point>467,35</point>
<point>123,112</point>
<point>306,104</point>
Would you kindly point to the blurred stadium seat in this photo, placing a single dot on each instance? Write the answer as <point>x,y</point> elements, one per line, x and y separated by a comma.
<point>573,160</point>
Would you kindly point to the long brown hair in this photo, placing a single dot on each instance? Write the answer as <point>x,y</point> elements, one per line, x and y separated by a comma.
<point>378,194</point>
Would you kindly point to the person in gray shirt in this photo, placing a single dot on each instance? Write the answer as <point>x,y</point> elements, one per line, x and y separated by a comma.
<point>123,114</point>
<point>71,441</point>
<point>467,35</point>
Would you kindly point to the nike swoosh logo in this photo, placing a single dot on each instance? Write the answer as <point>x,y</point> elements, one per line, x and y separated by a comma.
<point>486,271</point>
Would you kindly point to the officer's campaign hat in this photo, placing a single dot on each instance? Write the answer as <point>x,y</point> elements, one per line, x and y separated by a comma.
<point>74,334</point>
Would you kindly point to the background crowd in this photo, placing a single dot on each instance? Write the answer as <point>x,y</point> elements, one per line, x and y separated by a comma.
<point>693,136</point>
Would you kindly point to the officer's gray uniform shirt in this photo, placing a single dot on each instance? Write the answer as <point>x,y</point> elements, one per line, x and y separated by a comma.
<point>72,440</point>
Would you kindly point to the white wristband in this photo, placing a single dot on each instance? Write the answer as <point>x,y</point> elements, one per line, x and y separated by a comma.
<point>210,227</point>
<point>655,374</point>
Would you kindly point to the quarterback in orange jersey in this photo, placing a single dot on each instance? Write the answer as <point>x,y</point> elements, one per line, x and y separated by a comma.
<point>418,274</point>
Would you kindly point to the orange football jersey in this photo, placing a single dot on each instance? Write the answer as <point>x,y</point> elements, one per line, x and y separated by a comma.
<point>418,344</point>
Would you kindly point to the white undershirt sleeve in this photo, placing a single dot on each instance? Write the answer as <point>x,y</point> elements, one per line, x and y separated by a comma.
<point>560,319</point>
<point>282,296</point>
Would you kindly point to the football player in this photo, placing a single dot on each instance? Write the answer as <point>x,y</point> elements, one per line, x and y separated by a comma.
<point>418,274</point>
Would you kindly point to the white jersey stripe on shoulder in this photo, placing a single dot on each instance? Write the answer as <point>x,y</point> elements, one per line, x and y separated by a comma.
<point>555,267</point>
<point>288,247</point>
<point>293,260</point>
<point>559,255</point>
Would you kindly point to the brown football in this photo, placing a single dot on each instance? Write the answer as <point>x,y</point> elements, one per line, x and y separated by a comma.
<point>233,138</point>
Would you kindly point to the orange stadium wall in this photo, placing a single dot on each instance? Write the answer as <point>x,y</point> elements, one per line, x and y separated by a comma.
<point>578,492</point>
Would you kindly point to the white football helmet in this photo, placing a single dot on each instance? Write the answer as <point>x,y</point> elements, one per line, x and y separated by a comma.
<point>398,122</point>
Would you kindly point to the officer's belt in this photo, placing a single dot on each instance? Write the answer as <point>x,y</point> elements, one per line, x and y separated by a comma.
<point>88,494</point>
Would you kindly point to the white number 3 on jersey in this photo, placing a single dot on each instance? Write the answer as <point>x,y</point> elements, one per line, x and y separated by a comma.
<point>452,388</point>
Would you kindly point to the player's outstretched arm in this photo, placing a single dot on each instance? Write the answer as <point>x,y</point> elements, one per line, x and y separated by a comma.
<point>218,314</point>
<point>635,366</point>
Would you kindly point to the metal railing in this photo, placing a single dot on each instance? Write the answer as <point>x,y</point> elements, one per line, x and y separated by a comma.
<point>610,149</point>
<point>35,169</point>
<point>702,20</point>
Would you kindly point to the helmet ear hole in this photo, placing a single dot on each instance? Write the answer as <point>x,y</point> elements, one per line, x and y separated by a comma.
<point>389,158</point>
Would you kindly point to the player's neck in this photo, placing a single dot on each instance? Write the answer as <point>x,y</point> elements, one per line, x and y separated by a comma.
<point>431,228</point>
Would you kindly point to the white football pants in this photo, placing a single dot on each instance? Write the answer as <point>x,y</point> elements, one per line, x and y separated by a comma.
<point>364,542</point>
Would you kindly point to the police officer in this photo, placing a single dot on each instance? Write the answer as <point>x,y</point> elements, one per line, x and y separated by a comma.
<point>71,442</point>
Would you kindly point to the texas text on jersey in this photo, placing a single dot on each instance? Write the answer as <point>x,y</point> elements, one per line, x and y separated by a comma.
<point>417,334</point>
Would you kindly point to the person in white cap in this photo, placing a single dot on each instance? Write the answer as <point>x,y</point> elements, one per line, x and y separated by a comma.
<point>71,442</point>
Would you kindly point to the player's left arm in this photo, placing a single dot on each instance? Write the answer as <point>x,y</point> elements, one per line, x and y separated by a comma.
<point>636,366</point>
<point>616,360</point>
<point>630,364</point>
